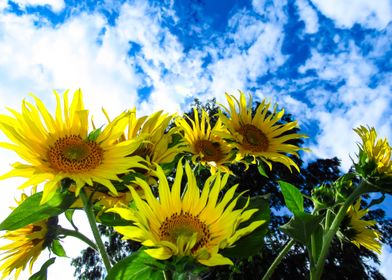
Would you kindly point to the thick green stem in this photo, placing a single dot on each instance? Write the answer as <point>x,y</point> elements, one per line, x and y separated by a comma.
<point>166,275</point>
<point>331,231</point>
<point>278,259</point>
<point>93,224</point>
<point>312,255</point>
<point>327,219</point>
<point>79,235</point>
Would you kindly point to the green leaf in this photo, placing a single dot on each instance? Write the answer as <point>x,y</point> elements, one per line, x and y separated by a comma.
<point>31,211</point>
<point>292,197</point>
<point>252,243</point>
<point>113,219</point>
<point>58,249</point>
<point>301,227</point>
<point>137,266</point>
<point>42,273</point>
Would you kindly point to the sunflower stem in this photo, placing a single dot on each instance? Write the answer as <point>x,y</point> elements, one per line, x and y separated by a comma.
<point>167,275</point>
<point>327,220</point>
<point>79,235</point>
<point>278,259</point>
<point>331,231</point>
<point>93,224</point>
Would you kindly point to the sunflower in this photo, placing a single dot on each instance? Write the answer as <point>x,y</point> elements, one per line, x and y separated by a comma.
<point>60,146</point>
<point>260,135</point>
<point>192,224</point>
<point>26,244</point>
<point>158,146</point>
<point>374,152</point>
<point>358,231</point>
<point>205,143</point>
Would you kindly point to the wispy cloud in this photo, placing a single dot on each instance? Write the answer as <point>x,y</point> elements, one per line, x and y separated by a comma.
<point>54,5</point>
<point>372,14</point>
<point>386,262</point>
<point>138,60</point>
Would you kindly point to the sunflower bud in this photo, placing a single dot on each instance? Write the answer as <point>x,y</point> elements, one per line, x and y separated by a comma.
<point>374,159</point>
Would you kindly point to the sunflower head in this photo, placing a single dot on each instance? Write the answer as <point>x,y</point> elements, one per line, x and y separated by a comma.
<point>206,144</point>
<point>195,223</point>
<point>374,159</point>
<point>324,196</point>
<point>25,245</point>
<point>359,231</point>
<point>60,146</point>
<point>260,134</point>
<point>159,145</point>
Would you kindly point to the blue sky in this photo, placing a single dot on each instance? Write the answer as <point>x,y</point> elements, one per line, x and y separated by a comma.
<point>327,62</point>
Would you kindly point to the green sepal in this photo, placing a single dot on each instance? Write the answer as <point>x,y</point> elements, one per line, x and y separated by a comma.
<point>93,135</point>
<point>31,211</point>
<point>58,249</point>
<point>251,244</point>
<point>184,268</point>
<point>69,215</point>
<point>301,227</point>
<point>292,197</point>
<point>42,273</point>
<point>137,266</point>
<point>261,169</point>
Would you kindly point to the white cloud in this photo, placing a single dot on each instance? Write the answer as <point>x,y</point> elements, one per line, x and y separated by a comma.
<point>373,14</point>
<point>40,59</point>
<point>354,103</point>
<point>386,262</point>
<point>308,15</point>
<point>55,5</point>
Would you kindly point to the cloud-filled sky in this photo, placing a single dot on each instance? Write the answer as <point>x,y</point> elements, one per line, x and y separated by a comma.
<point>327,62</point>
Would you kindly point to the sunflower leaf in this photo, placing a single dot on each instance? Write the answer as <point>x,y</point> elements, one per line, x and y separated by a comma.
<point>139,265</point>
<point>292,197</point>
<point>301,227</point>
<point>113,219</point>
<point>31,211</point>
<point>42,273</point>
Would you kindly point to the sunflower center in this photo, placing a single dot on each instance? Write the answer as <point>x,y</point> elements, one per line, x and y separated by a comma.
<point>254,139</point>
<point>185,225</point>
<point>73,155</point>
<point>211,151</point>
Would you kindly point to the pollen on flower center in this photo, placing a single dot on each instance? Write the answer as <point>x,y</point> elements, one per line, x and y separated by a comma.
<point>210,151</point>
<point>185,225</point>
<point>254,139</point>
<point>72,154</point>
